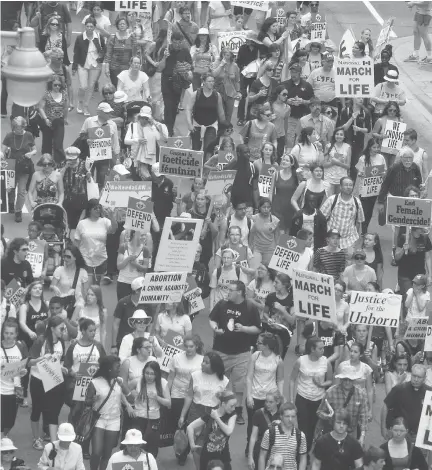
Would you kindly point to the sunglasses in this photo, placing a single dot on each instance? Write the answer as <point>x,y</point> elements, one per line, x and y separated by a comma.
<point>46,164</point>
<point>329,113</point>
<point>57,84</point>
<point>5,452</point>
<point>267,115</point>
<point>284,94</point>
<point>67,256</point>
<point>141,321</point>
<point>54,24</point>
<point>359,257</point>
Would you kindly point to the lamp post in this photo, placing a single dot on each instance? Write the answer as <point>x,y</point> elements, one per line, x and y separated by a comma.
<point>27,71</point>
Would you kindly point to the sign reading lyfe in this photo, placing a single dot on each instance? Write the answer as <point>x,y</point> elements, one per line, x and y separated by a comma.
<point>163,287</point>
<point>220,182</point>
<point>393,137</point>
<point>181,162</point>
<point>373,308</point>
<point>354,77</point>
<point>100,146</point>
<point>139,215</point>
<point>286,254</point>
<point>314,296</point>
<point>409,212</point>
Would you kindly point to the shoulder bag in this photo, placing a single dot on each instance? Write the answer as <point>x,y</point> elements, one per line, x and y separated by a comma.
<point>69,300</point>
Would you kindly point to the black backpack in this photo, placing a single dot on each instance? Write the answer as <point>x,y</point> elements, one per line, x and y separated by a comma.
<point>335,200</point>
<point>272,439</point>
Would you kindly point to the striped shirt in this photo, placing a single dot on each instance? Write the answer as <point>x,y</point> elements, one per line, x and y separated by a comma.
<point>343,218</point>
<point>397,179</point>
<point>285,444</point>
<point>329,262</point>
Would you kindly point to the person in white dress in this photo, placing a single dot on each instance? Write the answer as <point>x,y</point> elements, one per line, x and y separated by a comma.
<point>134,82</point>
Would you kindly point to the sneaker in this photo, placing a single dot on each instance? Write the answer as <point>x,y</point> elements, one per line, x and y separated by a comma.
<point>38,444</point>
<point>108,278</point>
<point>240,123</point>
<point>426,61</point>
<point>24,403</point>
<point>79,110</point>
<point>46,437</point>
<point>411,58</point>
<point>18,219</point>
<point>86,112</point>
<point>240,420</point>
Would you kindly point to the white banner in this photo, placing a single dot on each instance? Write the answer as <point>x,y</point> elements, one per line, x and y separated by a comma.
<point>196,303</point>
<point>314,296</point>
<point>424,433</point>
<point>139,215</point>
<point>393,136</point>
<point>50,371</point>
<point>10,370</point>
<point>375,309</point>
<point>417,328</point>
<point>163,287</point>
<point>35,256</point>
<point>116,193</point>
<point>254,4</point>
<point>134,5</point>
<point>354,78</point>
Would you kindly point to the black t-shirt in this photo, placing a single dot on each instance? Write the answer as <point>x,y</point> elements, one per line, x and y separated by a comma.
<point>303,90</point>
<point>412,264</point>
<point>262,420</point>
<point>163,197</point>
<point>217,440</point>
<point>337,455</point>
<point>274,314</point>
<point>22,272</point>
<point>330,339</point>
<point>124,310</point>
<point>182,55</point>
<point>226,314</point>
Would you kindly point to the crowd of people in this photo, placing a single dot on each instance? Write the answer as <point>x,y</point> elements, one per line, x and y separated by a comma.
<point>269,104</point>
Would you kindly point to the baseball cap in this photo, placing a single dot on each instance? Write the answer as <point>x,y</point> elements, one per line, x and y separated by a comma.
<point>296,67</point>
<point>105,107</point>
<point>333,231</point>
<point>66,432</point>
<point>420,280</point>
<point>359,252</point>
<point>137,283</point>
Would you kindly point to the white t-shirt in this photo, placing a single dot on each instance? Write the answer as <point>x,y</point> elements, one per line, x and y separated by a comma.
<point>183,368</point>
<point>384,91</point>
<point>91,236</point>
<point>323,84</point>
<point>149,407</point>
<point>179,324</point>
<point>133,88</point>
<point>81,354</point>
<point>222,284</point>
<point>205,388</point>
<point>264,290</point>
<point>65,280</point>
<point>12,355</point>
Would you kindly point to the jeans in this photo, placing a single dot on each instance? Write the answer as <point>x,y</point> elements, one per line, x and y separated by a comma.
<point>112,246</point>
<point>292,129</point>
<point>209,136</point>
<point>228,104</point>
<point>244,84</point>
<point>101,168</point>
<point>280,147</point>
<point>52,139</point>
<point>21,188</point>
<point>4,95</point>
<point>87,79</point>
<point>307,417</point>
<point>171,101</point>
<point>368,204</point>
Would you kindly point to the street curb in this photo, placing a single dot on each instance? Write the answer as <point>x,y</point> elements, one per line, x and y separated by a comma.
<point>407,81</point>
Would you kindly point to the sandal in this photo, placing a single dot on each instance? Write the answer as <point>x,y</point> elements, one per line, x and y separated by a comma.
<point>240,123</point>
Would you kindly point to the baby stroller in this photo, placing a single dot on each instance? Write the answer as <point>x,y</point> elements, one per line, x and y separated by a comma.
<point>53,219</point>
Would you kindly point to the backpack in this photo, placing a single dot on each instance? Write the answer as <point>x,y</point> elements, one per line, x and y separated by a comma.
<point>248,221</point>
<point>219,272</point>
<point>272,439</point>
<point>335,202</point>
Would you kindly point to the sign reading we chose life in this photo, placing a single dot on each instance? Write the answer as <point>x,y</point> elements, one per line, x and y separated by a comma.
<point>393,136</point>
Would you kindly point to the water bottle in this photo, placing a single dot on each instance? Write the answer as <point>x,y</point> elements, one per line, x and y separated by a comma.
<point>236,103</point>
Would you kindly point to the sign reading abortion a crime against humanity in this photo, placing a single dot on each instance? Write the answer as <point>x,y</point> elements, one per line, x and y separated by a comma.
<point>354,77</point>
<point>163,287</point>
<point>409,212</point>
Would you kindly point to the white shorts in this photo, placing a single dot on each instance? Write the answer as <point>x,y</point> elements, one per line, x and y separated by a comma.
<point>109,424</point>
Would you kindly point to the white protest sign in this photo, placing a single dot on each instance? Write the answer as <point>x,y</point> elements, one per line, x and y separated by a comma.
<point>393,136</point>
<point>375,309</point>
<point>372,181</point>
<point>383,38</point>
<point>35,256</point>
<point>231,40</point>
<point>100,147</point>
<point>318,31</point>
<point>84,376</point>
<point>428,339</point>
<point>14,293</point>
<point>254,4</point>
<point>286,254</point>
<point>196,303</point>
<point>181,162</point>
<point>417,328</point>
<point>182,142</point>
<point>134,5</point>
<point>354,78</point>
<point>139,215</point>
<point>7,167</point>
<point>116,193</point>
<point>424,433</point>
<point>178,244</point>
<point>173,346</point>
<point>314,296</point>
<point>163,287</point>
<point>10,370</point>
<point>409,211</point>
<point>220,182</point>
<point>266,180</point>
<point>50,372</point>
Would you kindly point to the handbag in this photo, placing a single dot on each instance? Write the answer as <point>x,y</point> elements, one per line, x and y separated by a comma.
<point>87,420</point>
<point>70,383</point>
<point>69,300</point>
<point>92,189</point>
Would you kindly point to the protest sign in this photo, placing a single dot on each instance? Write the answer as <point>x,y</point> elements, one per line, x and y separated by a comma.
<point>181,162</point>
<point>101,146</point>
<point>184,142</point>
<point>372,180</point>
<point>4,195</point>
<point>254,4</point>
<point>134,5</point>
<point>84,375</point>
<point>196,303</point>
<point>231,40</point>
<point>279,11</point>
<point>266,180</point>
<point>128,465</point>
<point>224,157</point>
<point>163,287</point>
<point>409,211</point>
<point>220,182</point>
<point>116,194</point>
<point>417,328</point>
<point>173,345</point>
<point>14,292</point>
<point>314,296</point>
<point>182,185</point>
<point>9,370</point>
<point>393,136</point>
<point>346,44</point>
<point>374,309</point>
<point>354,78</point>
<point>7,168</point>
<point>428,339</point>
<point>286,254</point>
<point>35,256</point>
<point>178,244</point>
<point>139,215</point>
<point>318,31</point>
<point>383,38</point>
<point>50,372</point>
<point>424,433</point>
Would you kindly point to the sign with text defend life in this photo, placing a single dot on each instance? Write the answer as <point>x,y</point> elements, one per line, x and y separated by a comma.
<point>372,180</point>
<point>318,31</point>
<point>139,215</point>
<point>409,211</point>
<point>314,296</point>
<point>354,78</point>
<point>101,146</point>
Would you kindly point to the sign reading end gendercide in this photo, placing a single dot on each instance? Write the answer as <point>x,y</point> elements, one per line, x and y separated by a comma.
<point>409,212</point>
<point>138,215</point>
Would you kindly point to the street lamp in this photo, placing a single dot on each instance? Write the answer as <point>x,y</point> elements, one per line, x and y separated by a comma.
<point>27,71</point>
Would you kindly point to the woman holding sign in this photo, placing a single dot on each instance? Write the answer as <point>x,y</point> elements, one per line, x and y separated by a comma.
<point>12,351</point>
<point>48,348</point>
<point>175,319</point>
